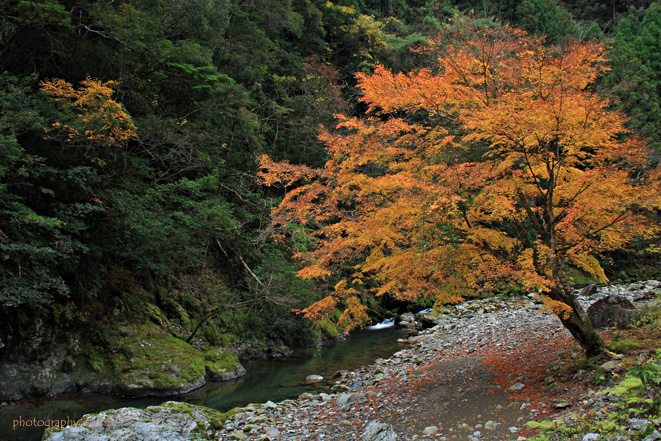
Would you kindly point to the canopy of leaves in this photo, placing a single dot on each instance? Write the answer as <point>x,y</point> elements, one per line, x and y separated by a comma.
<point>498,163</point>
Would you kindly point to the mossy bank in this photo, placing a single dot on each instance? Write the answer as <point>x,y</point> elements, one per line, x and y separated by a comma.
<point>158,341</point>
<point>139,360</point>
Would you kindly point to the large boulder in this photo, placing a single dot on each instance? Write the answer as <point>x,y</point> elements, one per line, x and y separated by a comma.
<point>170,421</point>
<point>611,311</point>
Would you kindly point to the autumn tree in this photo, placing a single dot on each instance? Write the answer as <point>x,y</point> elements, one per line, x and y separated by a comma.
<point>497,165</point>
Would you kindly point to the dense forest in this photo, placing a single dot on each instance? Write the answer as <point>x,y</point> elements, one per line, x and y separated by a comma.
<point>130,133</point>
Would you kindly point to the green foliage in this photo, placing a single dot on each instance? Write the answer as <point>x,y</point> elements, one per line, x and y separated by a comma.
<point>623,346</point>
<point>33,241</point>
<point>168,225</point>
<point>635,77</point>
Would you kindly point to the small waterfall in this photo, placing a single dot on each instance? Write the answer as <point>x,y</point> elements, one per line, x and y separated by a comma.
<point>387,323</point>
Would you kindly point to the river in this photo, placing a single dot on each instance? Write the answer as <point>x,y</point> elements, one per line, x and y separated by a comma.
<point>273,380</point>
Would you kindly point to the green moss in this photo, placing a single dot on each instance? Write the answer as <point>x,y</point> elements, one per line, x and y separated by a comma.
<point>51,430</point>
<point>221,358</point>
<point>96,362</point>
<point>212,334</point>
<point>184,318</point>
<point>156,315</point>
<point>578,277</point>
<point>623,346</point>
<point>148,358</point>
<point>328,328</point>
<point>215,418</point>
<point>227,339</point>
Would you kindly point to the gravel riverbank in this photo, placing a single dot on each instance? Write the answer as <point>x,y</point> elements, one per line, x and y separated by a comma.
<point>484,369</point>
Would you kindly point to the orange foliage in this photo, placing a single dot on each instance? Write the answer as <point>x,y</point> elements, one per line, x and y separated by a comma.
<point>558,308</point>
<point>90,117</point>
<point>514,168</point>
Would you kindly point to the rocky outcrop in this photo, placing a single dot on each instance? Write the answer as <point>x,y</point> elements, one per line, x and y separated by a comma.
<point>140,361</point>
<point>611,311</point>
<point>170,421</point>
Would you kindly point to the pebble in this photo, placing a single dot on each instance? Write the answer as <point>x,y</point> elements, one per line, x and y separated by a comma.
<point>430,430</point>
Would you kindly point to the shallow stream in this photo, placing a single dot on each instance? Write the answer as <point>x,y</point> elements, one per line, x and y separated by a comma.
<point>273,380</point>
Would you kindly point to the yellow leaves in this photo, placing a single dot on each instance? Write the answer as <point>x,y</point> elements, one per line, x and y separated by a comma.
<point>385,91</point>
<point>491,239</point>
<point>313,272</point>
<point>320,308</point>
<point>354,315</point>
<point>590,265</point>
<point>91,118</point>
<point>558,308</point>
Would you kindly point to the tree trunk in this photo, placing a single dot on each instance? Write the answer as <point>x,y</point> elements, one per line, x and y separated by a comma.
<point>577,323</point>
<point>581,329</point>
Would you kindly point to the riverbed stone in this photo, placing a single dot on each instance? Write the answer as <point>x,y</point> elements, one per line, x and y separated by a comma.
<point>492,425</point>
<point>271,432</point>
<point>377,431</point>
<point>349,398</point>
<point>516,387</point>
<point>611,366</point>
<point>313,379</point>
<point>430,430</point>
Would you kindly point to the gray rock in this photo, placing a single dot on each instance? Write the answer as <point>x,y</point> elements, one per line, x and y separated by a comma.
<point>349,398</point>
<point>270,405</point>
<point>516,387</point>
<point>406,318</point>
<point>588,290</point>
<point>238,435</point>
<point>170,421</point>
<point>591,437</point>
<point>376,431</point>
<point>654,436</point>
<point>313,379</point>
<point>272,432</point>
<point>430,430</point>
<point>490,425</point>
<point>611,311</point>
<point>611,366</point>
<point>638,424</point>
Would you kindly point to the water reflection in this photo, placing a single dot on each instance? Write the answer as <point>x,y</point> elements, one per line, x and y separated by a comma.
<point>273,380</point>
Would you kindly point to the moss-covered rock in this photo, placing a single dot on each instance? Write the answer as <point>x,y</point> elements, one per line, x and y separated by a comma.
<point>170,421</point>
<point>222,365</point>
<point>148,361</point>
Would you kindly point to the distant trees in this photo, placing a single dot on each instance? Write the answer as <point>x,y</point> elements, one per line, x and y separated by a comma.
<point>636,71</point>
